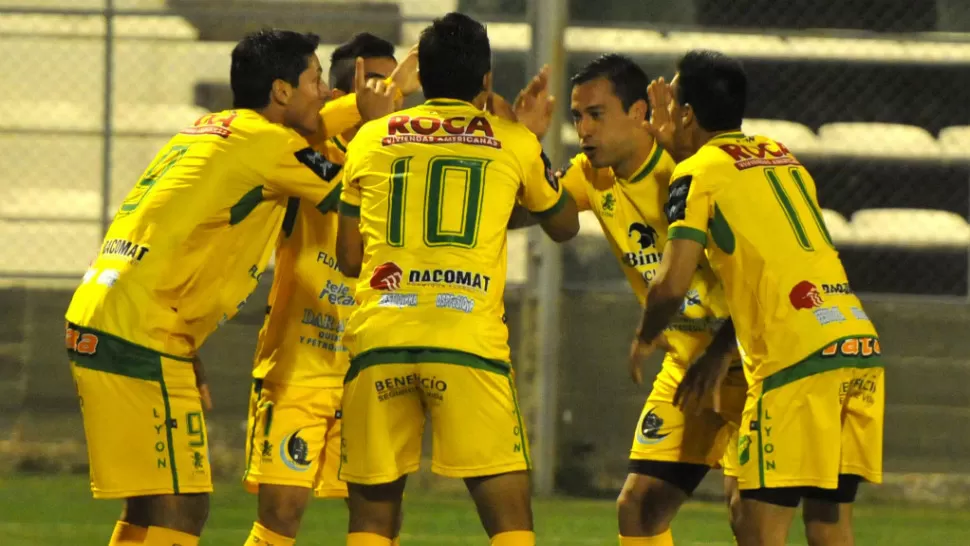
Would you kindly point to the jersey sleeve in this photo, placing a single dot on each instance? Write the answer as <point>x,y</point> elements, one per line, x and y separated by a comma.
<point>339,115</point>
<point>350,188</point>
<point>305,173</point>
<point>541,192</point>
<point>573,180</point>
<point>688,206</point>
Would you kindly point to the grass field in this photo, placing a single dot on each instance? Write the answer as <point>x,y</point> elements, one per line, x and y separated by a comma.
<point>53,511</point>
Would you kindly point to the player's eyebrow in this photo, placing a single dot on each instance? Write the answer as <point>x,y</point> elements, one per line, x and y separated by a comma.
<point>593,108</point>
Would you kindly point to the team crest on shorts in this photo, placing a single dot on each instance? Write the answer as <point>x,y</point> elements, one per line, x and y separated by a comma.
<point>649,430</point>
<point>295,452</point>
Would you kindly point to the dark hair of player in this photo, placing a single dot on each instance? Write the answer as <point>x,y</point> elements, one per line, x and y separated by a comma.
<point>263,57</point>
<point>343,59</point>
<point>454,56</point>
<point>715,86</point>
<point>629,80</point>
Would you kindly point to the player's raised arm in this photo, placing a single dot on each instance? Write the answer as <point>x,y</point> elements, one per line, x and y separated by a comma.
<point>543,196</point>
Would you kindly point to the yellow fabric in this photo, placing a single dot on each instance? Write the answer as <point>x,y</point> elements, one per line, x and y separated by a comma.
<point>143,439</point>
<point>126,534</point>
<point>301,341</point>
<point>192,237</point>
<point>665,433</point>
<point>434,239</point>
<point>779,440</point>
<point>664,539</point>
<point>261,536</point>
<point>339,115</point>
<point>476,425</point>
<point>632,215</point>
<point>367,539</point>
<point>754,207</point>
<point>514,538</point>
<point>396,541</point>
<point>160,536</point>
<point>293,438</point>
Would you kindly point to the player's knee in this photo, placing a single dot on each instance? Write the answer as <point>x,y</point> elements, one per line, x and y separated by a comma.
<point>650,500</point>
<point>282,513</point>
<point>732,497</point>
<point>827,523</point>
<point>193,512</point>
<point>184,513</point>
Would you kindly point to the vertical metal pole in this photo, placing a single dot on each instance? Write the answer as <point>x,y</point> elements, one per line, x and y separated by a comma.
<point>549,20</point>
<point>107,122</point>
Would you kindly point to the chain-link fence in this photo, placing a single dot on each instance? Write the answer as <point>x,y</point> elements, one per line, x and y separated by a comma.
<point>872,99</point>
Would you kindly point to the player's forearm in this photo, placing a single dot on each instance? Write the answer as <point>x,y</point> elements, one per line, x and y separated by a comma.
<point>656,316</point>
<point>725,340</point>
<point>522,218</point>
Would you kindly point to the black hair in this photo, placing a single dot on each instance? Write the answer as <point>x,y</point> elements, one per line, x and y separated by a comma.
<point>454,56</point>
<point>263,57</point>
<point>716,88</point>
<point>629,80</point>
<point>343,59</point>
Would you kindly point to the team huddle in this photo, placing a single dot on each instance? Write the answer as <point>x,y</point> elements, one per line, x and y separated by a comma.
<point>389,227</point>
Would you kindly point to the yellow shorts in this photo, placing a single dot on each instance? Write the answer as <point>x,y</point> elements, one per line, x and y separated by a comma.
<point>476,425</point>
<point>142,418</point>
<point>810,422</point>
<point>665,433</point>
<point>294,438</point>
<point>729,463</point>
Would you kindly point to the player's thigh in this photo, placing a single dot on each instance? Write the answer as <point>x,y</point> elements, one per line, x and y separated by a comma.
<point>790,430</point>
<point>862,431</point>
<point>382,421</point>
<point>143,422</point>
<point>328,484</point>
<point>477,427</point>
<point>287,436</point>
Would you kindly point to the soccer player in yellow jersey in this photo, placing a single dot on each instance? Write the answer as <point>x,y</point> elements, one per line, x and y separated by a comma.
<point>293,443</point>
<point>623,176</point>
<point>183,252</point>
<point>812,425</point>
<point>427,196</point>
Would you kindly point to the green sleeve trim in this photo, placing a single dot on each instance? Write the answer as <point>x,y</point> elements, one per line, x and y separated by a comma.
<point>331,202</point>
<point>553,209</point>
<point>347,209</point>
<point>685,232</point>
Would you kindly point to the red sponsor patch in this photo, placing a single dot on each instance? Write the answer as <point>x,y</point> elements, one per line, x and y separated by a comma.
<point>804,295</point>
<point>387,277</point>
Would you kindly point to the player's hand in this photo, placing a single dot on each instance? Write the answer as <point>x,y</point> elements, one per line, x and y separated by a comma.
<point>405,76</point>
<point>202,383</point>
<point>534,105</point>
<point>703,379</point>
<point>498,106</point>
<point>640,350</point>
<point>375,98</point>
<point>666,120</point>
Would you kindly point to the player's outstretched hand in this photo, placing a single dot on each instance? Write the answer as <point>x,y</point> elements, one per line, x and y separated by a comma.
<point>534,105</point>
<point>666,119</point>
<point>639,352</point>
<point>202,383</point>
<point>498,106</point>
<point>405,76</point>
<point>702,380</point>
<point>375,98</point>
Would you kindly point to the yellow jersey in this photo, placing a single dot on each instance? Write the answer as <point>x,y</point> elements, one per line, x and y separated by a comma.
<point>189,242</point>
<point>434,265</point>
<point>634,221</point>
<point>301,341</point>
<point>754,207</point>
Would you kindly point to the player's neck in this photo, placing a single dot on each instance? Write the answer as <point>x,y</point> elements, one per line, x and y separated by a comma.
<point>703,137</point>
<point>272,114</point>
<point>628,167</point>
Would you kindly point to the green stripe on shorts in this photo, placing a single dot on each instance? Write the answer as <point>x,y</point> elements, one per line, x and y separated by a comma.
<point>421,355</point>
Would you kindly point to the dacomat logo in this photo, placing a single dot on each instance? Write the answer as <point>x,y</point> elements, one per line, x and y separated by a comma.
<point>804,295</point>
<point>387,277</point>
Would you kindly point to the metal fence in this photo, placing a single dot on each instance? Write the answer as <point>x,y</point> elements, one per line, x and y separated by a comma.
<point>873,100</point>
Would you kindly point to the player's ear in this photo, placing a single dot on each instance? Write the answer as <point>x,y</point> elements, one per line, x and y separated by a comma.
<point>281,92</point>
<point>638,111</point>
<point>687,114</point>
<point>337,93</point>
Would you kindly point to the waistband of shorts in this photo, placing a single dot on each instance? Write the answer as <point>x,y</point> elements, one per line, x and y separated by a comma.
<point>422,355</point>
<point>113,354</point>
<point>834,355</point>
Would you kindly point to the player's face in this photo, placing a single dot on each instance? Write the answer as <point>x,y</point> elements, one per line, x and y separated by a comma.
<point>606,131</point>
<point>305,101</point>
<point>378,68</point>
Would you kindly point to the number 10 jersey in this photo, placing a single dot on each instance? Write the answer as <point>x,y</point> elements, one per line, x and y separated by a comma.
<point>434,187</point>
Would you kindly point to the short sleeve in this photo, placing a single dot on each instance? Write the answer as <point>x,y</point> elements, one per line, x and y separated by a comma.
<point>350,192</point>
<point>688,207</point>
<point>304,173</point>
<point>574,180</point>
<point>541,192</point>
<point>339,115</point>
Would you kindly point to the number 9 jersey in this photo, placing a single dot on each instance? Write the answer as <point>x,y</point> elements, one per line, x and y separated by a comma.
<point>434,187</point>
